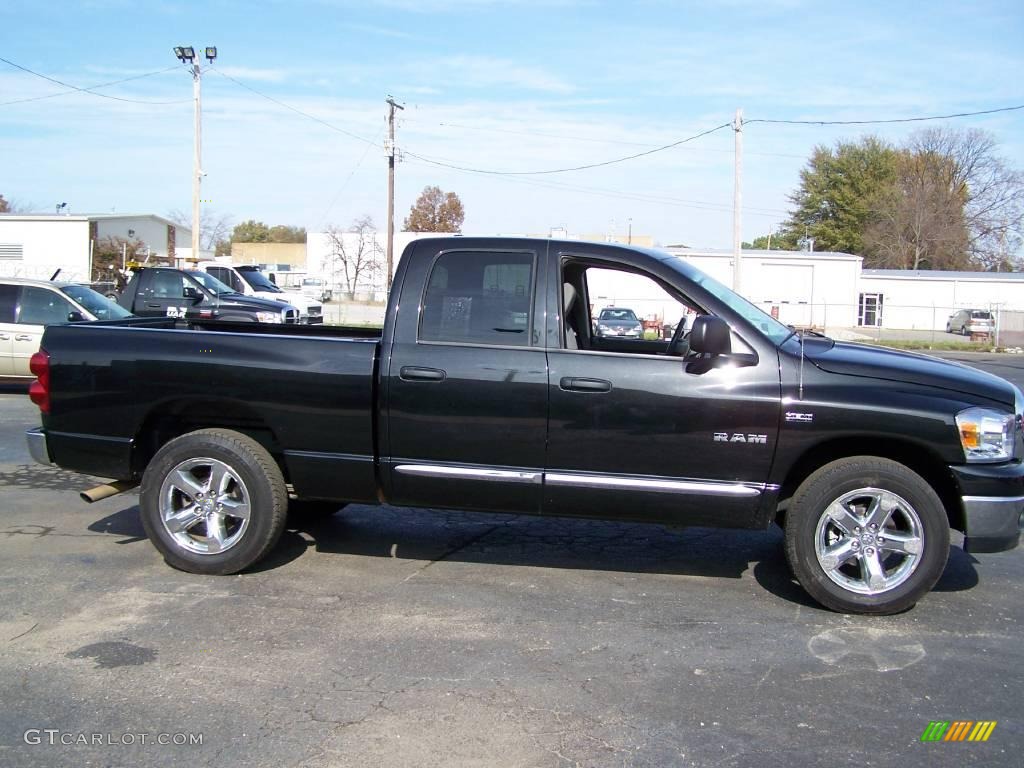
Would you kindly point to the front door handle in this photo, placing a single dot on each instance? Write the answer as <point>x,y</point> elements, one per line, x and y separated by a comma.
<point>23,337</point>
<point>577,384</point>
<point>4,337</point>
<point>414,373</point>
<point>155,306</point>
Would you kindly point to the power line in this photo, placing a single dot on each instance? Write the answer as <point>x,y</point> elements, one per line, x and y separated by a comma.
<point>711,207</point>
<point>91,91</point>
<point>297,111</point>
<point>323,219</point>
<point>492,172</point>
<point>592,139</point>
<point>892,120</point>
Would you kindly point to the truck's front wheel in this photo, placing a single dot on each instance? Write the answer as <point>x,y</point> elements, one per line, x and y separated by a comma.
<point>866,535</point>
<point>213,501</point>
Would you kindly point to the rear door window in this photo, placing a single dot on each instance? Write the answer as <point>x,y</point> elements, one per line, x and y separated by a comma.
<point>479,297</point>
<point>41,306</point>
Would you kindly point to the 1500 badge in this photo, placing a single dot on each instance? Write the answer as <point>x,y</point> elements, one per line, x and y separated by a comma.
<point>739,437</point>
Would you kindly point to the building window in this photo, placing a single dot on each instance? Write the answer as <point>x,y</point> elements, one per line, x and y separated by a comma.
<point>479,298</point>
<point>869,310</point>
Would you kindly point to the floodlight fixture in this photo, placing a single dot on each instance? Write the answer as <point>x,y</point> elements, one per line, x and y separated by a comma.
<point>211,53</point>
<point>185,54</point>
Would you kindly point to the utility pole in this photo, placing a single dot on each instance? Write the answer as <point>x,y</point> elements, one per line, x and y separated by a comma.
<point>737,203</point>
<point>187,55</point>
<point>391,187</point>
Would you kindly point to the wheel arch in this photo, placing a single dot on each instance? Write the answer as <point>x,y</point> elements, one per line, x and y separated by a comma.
<point>173,418</point>
<point>919,458</point>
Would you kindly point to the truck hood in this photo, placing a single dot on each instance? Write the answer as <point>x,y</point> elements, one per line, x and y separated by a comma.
<point>894,365</point>
<point>297,300</point>
<point>249,302</point>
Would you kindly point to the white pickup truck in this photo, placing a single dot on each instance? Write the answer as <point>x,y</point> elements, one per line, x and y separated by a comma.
<point>250,281</point>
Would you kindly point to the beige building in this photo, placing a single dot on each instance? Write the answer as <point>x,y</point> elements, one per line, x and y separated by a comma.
<point>275,257</point>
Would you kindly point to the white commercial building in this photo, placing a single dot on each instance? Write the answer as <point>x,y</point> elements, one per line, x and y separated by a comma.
<point>37,245</point>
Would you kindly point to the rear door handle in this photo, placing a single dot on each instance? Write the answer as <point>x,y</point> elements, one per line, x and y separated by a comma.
<point>577,384</point>
<point>23,337</point>
<point>4,337</point>
<point>414,373</point>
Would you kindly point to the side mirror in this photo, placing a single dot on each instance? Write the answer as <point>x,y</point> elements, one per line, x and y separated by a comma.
<point>74,316</point>
<point>710,336</point>
<point>193,293</point>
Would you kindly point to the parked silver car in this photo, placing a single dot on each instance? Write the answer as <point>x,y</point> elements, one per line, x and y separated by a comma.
<point>968,321</point>
<point>28,306</point>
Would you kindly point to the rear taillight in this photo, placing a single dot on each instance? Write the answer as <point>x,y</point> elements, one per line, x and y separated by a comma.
<point>39,390</point>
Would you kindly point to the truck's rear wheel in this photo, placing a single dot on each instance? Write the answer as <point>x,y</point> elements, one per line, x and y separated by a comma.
<point>866,535</point>
<point>213,501</point>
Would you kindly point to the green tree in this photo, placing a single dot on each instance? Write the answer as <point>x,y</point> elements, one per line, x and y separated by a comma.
<point>435,211</point>
<point>777,241</point>
<point>284,234</point>
<point>251,231</point>
<point>840,190</point>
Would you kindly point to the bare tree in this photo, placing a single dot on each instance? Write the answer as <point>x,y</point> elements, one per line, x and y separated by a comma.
<point>993,193</point>
<point>214,228</point>
<point>354,253</point>
<point>16,206</point>
<point>918,220</point>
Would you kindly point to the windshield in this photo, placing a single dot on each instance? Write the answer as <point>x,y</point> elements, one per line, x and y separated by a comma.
<point>760,319</point>
<point>258,281</point>
<point>618,314</point>
<point>211,283</point>
<point>100,306</point>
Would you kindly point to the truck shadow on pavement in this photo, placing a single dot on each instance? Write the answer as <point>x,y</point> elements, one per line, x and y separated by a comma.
<point>430,536</point>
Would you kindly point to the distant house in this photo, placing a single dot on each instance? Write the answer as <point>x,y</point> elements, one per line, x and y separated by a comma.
<point>37,245</point>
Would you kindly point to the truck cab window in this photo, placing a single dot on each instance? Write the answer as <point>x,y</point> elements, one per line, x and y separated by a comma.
<point>479,298</point>
<point>613,310</point>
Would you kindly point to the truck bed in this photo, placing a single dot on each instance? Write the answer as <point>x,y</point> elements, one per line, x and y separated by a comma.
<point>310,388</point>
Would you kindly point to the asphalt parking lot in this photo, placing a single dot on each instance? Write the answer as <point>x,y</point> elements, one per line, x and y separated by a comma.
<point>382,637</point>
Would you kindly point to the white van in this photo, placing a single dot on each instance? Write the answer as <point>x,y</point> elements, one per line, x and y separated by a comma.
<point>250,281</point>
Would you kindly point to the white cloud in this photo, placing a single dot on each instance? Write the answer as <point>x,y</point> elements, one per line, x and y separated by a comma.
<point>489,72</point>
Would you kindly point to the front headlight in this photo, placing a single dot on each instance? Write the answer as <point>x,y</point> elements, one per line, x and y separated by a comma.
<point>603,328</point>
<point>269,317</point>
<point>987,435</point>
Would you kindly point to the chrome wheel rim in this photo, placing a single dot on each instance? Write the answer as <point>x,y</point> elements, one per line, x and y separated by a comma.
<point>869,541</point>
<point>204,506</point>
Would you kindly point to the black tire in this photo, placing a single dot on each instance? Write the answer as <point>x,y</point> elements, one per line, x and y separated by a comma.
<point>313,509</point>
<point>253,482</point>
<point>849,580</point>
<point>963,330</point>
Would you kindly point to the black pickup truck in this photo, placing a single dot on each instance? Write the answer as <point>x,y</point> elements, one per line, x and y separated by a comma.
<point>194,295</point>
<point>488,389</point>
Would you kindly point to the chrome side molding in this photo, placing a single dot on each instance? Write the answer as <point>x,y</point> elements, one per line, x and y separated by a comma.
<point>470,473</point>
<point>696,487</point>
<point>649,485</point>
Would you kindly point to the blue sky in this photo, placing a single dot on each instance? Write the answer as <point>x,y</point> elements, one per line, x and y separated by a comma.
<point>515,85</point>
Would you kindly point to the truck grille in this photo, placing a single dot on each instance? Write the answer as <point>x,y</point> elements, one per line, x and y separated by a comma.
<point>316,314</point>
<point>291,316</point>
